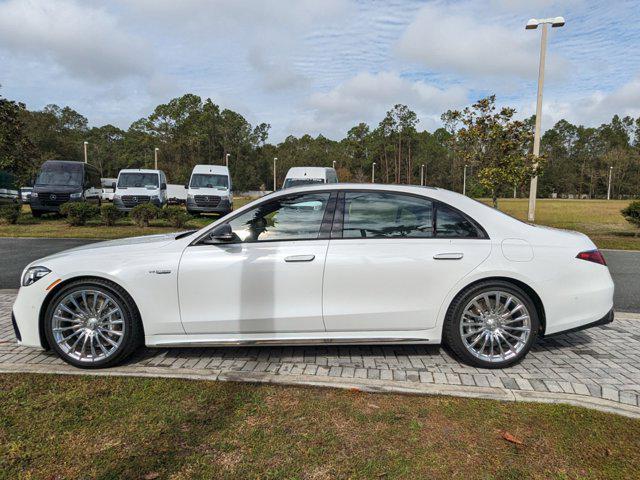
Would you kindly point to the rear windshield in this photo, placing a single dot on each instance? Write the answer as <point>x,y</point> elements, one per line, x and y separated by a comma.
<point>60,174</point>
<point>209,180</point>
<point>297,182</point>
<point>138,179</point>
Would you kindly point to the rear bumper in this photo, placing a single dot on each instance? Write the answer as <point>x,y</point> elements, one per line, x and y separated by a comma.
<point>608,318</point>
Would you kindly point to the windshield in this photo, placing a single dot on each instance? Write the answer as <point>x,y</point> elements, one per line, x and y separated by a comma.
<point>207,180</point>
<point>60,174</point>
<point>138,179</point>
<point>297,182</point>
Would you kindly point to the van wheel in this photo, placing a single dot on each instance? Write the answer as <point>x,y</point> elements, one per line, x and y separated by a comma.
<point>491,325</point>
<point>93,323</point>
<point>36,213</point>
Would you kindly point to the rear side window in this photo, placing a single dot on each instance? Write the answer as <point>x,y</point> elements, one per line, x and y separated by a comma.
<point>451,223</point>
<point>387,215</point>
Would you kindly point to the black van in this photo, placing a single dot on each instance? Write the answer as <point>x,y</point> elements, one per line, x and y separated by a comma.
<point>61,181</point>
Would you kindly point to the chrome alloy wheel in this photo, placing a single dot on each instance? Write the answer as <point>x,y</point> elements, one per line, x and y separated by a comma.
<point>495,326</point>
<point>88,325</point>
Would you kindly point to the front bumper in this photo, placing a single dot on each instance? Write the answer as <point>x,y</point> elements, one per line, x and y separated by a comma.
<point>49,206</point>
<point>127,208</point>
<point>608,318</point>
<point>25,313</point>
<point>224,206</point>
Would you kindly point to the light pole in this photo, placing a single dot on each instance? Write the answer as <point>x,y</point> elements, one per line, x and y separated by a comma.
<point>609,187</point>
<point>464,181</point>
<point>155,157</point>
<point>334,164</point>
<point>226,158</point>
<point>422,179</point>
<point>532,24</point>
<point>275,159</point>
<point>373,172</point>
<point>85,151</point>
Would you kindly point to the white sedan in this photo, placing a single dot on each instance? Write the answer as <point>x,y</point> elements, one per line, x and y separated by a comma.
<point>322,265</point>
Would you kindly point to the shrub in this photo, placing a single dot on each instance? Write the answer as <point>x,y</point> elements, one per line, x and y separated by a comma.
<point>9,214</point>
<point>78,213</point>
<point>632,213</point>
<point>143,213</point>
<point>176,216</point>
<point>109,214</point>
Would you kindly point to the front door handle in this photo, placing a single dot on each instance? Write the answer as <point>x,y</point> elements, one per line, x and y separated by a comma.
<point>299,258</point>
<point>448,256</point>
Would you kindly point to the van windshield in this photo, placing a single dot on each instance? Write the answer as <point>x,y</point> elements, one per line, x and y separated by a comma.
<point>138,179</point>
<point>297,182</point>
<point>60,174</point>
<point>207,180</point>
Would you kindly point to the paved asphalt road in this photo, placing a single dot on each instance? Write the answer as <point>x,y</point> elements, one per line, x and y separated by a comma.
<point>16,253</point>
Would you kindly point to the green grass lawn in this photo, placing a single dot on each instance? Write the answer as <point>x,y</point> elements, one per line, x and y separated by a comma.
<point>115,427</point>
<point>600,219</point>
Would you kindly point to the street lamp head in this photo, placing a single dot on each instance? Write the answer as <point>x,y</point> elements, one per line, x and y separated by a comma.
<point>532,24</point>
<point>86,143</point>
<point>558,22</point>
<point>157,149</point>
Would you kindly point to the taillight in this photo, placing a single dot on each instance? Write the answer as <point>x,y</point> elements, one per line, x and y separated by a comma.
<point>594,256</point>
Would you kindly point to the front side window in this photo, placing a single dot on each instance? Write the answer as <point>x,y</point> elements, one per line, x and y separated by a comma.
<point>60,174</point>
<point>451,223</point>
<point>387,215</point>
<point>206,180</point>
<point>138,179</point>
<point>294,217</point>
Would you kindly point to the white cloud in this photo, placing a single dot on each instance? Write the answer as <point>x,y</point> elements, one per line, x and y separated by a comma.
<point>275,75</point>
<point>83,40</point>
<point>366,97</point>
<point>596,108</point>
<point>462,39</point>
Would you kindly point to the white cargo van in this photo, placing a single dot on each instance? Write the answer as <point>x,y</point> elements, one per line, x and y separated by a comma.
<point>300,176</point>
<point>209,190</point>
<point>136,186</point>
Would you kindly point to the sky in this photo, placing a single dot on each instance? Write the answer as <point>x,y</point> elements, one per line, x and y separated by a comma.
<point>320,66</point>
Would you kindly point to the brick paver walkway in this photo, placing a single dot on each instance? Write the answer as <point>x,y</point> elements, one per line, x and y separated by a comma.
<point>600,363</point>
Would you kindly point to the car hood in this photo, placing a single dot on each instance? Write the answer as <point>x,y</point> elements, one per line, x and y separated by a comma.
<point>137,191</point>
<point>126,245</point>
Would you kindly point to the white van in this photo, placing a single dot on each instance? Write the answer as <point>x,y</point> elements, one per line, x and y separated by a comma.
<point>209,190</point>
<point>299,176</point>
<point>136,186</point>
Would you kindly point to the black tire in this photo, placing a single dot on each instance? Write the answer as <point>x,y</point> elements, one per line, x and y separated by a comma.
<point>36,213</point>
<point>452,336</point>
<point>133,335</point>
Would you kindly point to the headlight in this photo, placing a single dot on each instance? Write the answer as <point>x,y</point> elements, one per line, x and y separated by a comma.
<point>189,196</point>
<point>76,196</point>
<point>34,194</point>
<point>116,197</point>
<point>33,274</point>
<point>155,197</point>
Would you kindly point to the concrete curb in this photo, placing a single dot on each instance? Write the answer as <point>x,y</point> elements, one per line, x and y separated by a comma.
<point>365,385</point>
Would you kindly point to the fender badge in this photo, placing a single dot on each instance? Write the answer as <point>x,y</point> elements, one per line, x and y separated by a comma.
<point>160,272</point>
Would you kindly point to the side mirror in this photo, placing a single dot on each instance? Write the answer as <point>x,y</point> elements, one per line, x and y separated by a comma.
<point>186,186</point>
<point>113,185</point>
<point>163,186</point>
<point>220,234</point>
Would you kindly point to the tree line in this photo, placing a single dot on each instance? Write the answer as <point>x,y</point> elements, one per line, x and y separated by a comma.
<point>493,144</point>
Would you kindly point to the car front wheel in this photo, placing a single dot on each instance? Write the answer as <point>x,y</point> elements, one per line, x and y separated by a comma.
<point>491,325</point>
<point>92,324</point>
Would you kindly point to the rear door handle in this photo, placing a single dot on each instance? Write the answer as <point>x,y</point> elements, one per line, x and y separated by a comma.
<point>299,258</point>
<point>448,256</point>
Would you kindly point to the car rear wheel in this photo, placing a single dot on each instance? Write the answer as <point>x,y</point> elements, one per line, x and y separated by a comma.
<point>491,325</point>
<point>93,324</point>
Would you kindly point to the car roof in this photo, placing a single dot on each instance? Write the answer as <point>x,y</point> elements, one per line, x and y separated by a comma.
<point>297,172</point>
<point>138,170</point>
<point>220,169</point>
